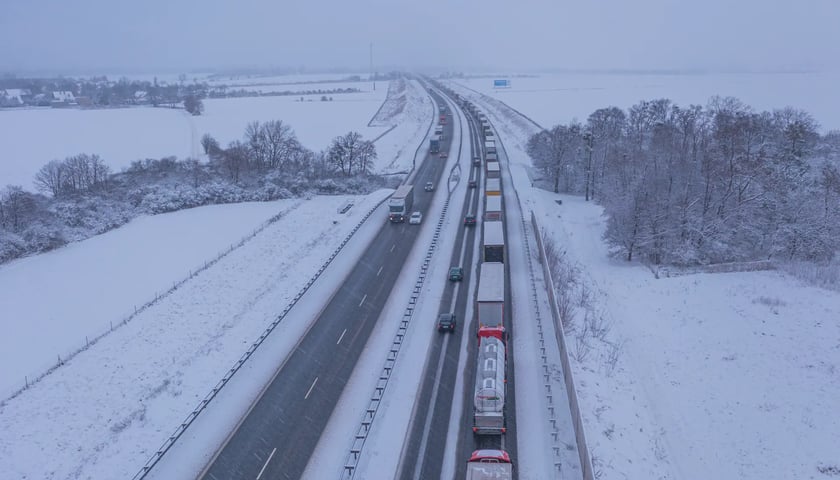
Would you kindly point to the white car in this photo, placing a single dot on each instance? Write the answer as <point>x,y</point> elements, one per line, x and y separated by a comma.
<point>416,218</point>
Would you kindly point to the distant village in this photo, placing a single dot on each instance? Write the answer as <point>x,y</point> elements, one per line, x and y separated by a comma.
<point>100,92</point>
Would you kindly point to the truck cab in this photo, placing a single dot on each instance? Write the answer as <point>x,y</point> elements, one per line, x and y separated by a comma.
<point>489,465</point>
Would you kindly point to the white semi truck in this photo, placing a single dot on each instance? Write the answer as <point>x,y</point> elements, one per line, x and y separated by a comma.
<point>399,205</point>
<point>489,395</point>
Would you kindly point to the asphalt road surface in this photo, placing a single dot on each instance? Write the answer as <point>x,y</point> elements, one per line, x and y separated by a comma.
<point>278,434</point>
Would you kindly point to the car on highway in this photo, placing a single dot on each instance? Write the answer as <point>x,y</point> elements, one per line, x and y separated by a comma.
<point>444,155</point>
<point>477,161</point>
<point>415,219</point>
<point>469,221</point>
<point>456,274</point>
<point>429,187</point>
<point>446,322</point>
<point>472,184</point>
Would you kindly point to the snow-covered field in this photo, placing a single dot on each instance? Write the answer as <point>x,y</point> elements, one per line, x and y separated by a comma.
<point>718,375</point>
<point>54,301</point>
<point>104,412</point>
<point>117,401</point>
<point>33,137</point>
<point>550,99</point>
<point>315,122</point>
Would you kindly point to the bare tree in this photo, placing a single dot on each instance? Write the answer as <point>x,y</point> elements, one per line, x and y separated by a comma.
<point>50,178</point>
<point>553,152</point>
<point>211,146</point>
<point>235,160</point>
<point>17,204</point>
<point>193,105</point>
<point>350,154</point>
<point>272,144</point>
<point>73,174</point>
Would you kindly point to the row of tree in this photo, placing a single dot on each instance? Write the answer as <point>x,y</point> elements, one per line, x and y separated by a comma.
<point>79,196</point>
<point>273,147</point>
<point>702,185</point>
<point>72,175</point>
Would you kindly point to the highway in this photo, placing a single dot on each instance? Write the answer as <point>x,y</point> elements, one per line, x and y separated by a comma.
<point>423,455</point>
<point>277,435</point>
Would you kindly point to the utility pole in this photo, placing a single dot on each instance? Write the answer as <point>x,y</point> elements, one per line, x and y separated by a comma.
<point>589,141</point>
<point>371,67</point>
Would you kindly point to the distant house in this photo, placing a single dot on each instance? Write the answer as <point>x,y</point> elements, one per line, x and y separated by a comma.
<point>42,100</point>
<point>63,98</point>
<point>14,97</point>
<point>84,101</point>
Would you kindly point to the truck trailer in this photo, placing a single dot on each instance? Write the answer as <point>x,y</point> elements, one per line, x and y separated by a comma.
<point>400,203</point>
<point>434,144</point>
<point>490,146</point>
<point>493,208</point>
<point>494,242</point>
<point>494,170</point>
<point>490,301</point>
<point>493,186</point>
<point>489,393</point>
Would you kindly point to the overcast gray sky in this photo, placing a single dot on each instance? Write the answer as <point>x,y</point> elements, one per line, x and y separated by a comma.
<point>174,35</point>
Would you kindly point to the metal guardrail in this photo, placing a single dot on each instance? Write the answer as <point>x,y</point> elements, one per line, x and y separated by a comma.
<point>549,395</point>
<point>577,419</point>
<point>90,341</point>
<point>179,431</point>
<point>351,462</point>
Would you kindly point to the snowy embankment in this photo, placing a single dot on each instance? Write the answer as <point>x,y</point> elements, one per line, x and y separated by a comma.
<point>54,303</point>
<point>408,114</point>
<point>104,412</point>
<point>704,376</point>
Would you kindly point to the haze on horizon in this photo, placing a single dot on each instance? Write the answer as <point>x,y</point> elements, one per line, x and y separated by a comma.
<point>88,36</point>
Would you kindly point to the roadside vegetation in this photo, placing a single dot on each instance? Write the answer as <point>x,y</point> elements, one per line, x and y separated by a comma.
<point>689,186</point>
<point>79,197</point>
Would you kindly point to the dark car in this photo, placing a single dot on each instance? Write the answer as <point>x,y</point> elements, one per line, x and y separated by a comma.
<point>429,187</point>
<point>469,220</point>
<point>456,274</point>
<point>472,184</point>
<point>477,161</point>
<point>446,322</point>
